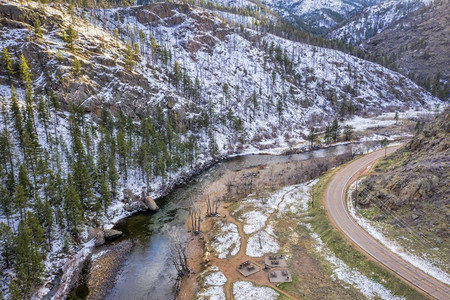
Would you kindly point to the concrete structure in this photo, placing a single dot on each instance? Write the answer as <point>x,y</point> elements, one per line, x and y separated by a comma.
<point>280,276</point>
<point>275,261</point>
<point>247,268</point>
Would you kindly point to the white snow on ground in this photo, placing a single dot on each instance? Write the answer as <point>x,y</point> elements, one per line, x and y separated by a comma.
<point>245,290</point>
<point>228,242</point>
<point>213,284</point>
<point>360,123</point>
<point>342,272</point>
<point>215,278</point>
<point>269,244</point>
<point>254,221</point>
<point>386,119</point>
<point>416,261</point>
<point>212,293</point>
<point>291,200</point>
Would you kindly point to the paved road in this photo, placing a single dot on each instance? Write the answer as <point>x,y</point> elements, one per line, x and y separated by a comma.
<point>339,215</point>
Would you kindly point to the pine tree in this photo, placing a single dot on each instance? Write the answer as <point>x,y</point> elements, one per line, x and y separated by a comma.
<point>82,182</point>
<point>14,292</point>
<point>20,199</point>
<point>24,70</point>
<point>16,113</point>
<point>6,244</point>
<point>24,181</point>
<point>73,209</point>
<point>312,136</point>
<point>348,132</point>
<point>112,173</point>
<point>129,58</point>
<point>37,29</point>
<point>43,115</point>
<point>7,63</point>
<point>45,215</point>
<point>280,109</point>
<point>28,260</point>
<point>122,152</point>
<point>76,66</point>
<point>154,48</point>
<point>105,194</point>
<point>6,204</point>
<point>70,36</point>
<point>37,231</point>
<point>6,150</point>
<point>335,130</point>
<point>176,74</point>
<point>102,163</point>
<point>328,136</point>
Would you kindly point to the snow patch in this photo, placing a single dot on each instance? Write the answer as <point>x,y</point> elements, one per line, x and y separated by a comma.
<point>262,243</point>
<point>245,290</point>
<point>228,242</point>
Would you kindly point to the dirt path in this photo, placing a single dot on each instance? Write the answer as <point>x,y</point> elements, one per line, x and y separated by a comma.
<point>278,206</point>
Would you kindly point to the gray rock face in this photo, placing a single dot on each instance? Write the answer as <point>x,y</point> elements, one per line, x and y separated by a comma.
<point>111,234</point>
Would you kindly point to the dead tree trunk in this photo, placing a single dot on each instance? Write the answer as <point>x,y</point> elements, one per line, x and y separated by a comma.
<point>212,206</point>
<point>179,261</point>
<point>196,220</point>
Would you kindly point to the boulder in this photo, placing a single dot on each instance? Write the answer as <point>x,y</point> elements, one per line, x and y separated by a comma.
<point>98,236</point>
<point>111,234</point>
<point>150,203</point>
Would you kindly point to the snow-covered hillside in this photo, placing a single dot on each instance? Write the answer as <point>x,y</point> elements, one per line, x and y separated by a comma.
<point>272,86</point>
<point>320,81</point>
<point>374,19</point>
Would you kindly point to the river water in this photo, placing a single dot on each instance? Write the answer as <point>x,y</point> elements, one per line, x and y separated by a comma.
<point>147,272</point>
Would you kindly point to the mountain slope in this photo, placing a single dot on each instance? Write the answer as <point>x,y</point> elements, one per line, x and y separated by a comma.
<point>419,46</point>
<point>283,85</point>
<point>374,19</point>
<point>317,17</point>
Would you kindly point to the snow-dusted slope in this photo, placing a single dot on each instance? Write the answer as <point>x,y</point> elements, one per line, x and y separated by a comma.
<point>374,19</point>
<point>317,16</point>
<point>273,86</point>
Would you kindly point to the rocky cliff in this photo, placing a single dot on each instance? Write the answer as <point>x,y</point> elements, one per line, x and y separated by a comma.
<point>410,187</point>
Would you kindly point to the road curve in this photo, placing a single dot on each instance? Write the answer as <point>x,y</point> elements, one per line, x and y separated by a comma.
<point>337,211</point>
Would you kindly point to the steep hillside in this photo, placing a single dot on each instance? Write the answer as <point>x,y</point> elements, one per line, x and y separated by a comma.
<point>418,46</point>
<point>374,19</point>
<point>409,191</point>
